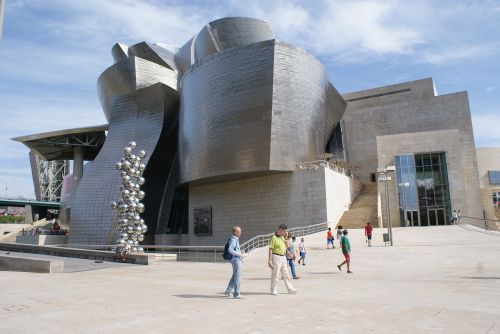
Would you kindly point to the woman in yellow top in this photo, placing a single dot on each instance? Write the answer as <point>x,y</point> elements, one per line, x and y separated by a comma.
<point>277,260</point>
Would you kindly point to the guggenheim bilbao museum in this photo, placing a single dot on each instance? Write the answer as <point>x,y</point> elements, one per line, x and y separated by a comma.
<point>243,129</point>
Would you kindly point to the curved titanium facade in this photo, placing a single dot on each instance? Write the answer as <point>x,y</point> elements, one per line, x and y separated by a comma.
<point>220,35</point>
<point>247,106</point>
<point>128,75</point>
<point>255,109</point>
<point>225,118</point>
<point>136,116</point>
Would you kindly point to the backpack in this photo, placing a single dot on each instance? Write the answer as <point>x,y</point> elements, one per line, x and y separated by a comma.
<point>226,255</point>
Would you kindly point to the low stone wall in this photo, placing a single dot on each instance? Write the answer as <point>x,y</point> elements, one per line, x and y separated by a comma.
<point>43,239</point>
<point>21,263</point>
<point>75,252</point>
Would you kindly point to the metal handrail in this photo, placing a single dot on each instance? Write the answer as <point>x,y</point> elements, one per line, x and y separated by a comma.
<point>314,165</point>
<point>263,240</point>
<point>207,253</point>
<point>484,223</point>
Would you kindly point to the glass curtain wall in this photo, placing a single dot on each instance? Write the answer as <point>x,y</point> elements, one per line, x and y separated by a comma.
<point>407,190</point>
<point>433,189</point>
<point>423,189</point>
<point>336,143</point>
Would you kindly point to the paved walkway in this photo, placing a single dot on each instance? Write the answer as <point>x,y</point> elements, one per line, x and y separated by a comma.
<point>435,280</point>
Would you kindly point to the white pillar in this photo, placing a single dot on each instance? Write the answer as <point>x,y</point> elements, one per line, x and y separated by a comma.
<point>77,168</point>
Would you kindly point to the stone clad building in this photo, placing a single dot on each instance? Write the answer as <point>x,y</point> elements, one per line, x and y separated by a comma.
<point>243,129</point>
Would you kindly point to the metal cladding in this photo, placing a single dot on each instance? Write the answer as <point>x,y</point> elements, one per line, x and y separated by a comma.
<point>136,116</point>
<point>246,105</point>
<point>128,75</point>
<point>220,35</point>
<point>259,108</point>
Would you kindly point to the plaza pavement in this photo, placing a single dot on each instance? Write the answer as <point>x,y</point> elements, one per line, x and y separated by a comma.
<point>434,280</point>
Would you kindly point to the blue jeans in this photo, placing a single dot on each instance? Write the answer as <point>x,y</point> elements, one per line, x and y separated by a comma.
<point>291,264</point>
<point>234,282</point>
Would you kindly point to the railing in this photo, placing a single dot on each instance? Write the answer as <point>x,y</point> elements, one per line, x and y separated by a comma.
<point>487,224</point>
<point>180,253</point>
<point>263,240</point>
<point>205,253</point>
<point>314,165</point>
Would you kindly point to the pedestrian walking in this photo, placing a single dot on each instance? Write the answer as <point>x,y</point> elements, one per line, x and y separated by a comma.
<point>454,217</point>
<point>290,255</point>
<point>459,217</point>
<point>302,252</point>
<point>277,261</point>
<point>339,235</point>
<point>368,233</point>
<point>329,238</point>
<point>236,256</point>
<point>346,250</point>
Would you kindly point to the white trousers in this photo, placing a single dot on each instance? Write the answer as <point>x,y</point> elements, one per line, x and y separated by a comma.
<point>280,266</point>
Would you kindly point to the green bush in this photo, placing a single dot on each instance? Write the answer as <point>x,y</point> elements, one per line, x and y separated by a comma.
<point>11,219</point>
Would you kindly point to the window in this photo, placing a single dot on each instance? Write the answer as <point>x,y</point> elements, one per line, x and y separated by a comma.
<point>494,177</point>
<point>203,221</point>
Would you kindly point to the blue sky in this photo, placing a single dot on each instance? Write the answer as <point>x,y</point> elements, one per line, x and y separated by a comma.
<point>53,51</point>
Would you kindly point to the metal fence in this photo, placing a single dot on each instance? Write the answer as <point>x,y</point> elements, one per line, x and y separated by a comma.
<point>314,165</point>
<point>263,240</point>
<point>206,253</point>
<point>487,224</point>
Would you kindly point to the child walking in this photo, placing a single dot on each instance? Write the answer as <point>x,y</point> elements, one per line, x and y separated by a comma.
<point>302,250</point>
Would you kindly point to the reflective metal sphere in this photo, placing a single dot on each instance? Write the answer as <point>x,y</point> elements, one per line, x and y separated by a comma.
<point>142,153</point>
<point>141,194</point>
<point>141,167</point>
<point>127,151</point>
<point>132,144</point>
<point>114,205</point>
<point>140,208</point>
<point>118,165</point>
<point>141,181</point>
<point>120,241</point>
<point>140,237</point>
<point>126,165</point>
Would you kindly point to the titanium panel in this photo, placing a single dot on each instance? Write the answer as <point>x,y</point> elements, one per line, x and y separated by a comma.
<point>298,117</point>
<point>153,53</point>
<point>233,32</point>
<point>129,75</point>
<point>137,116</point>
<point>222,34</point>
<point>226,110</point>
<point>119,52</point>
<point>335,108</point>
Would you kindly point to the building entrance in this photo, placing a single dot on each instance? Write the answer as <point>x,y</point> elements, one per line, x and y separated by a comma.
<point>436,217</point>
<point>423,191</point>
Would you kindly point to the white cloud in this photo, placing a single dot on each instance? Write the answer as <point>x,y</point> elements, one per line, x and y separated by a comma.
<point>490,89</point>
<point>486,129</point>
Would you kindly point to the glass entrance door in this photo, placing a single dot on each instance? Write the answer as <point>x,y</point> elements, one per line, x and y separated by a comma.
<point>436,217</point>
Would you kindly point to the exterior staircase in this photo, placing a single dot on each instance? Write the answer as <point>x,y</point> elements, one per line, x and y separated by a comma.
<point>363,209</point>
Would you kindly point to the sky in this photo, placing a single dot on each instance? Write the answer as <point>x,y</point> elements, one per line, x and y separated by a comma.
<point>52,52</point>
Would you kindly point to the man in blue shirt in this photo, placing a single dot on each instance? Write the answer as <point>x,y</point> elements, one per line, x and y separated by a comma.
<point>237,262</point>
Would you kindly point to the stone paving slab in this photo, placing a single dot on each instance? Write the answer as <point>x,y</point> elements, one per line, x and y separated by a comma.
<point>434,280</point>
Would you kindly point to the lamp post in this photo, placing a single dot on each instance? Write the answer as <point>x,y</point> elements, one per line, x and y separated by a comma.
<point>384,176</point>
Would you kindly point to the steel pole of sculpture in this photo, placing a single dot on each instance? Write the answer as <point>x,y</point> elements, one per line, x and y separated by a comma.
<point>130,224</point>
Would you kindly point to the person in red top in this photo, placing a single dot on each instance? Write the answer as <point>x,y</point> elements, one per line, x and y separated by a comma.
<point>329,238</point>
<point>368,234</point>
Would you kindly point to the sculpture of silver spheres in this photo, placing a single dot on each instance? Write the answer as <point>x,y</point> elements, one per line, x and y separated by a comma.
<point>130,224</point>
